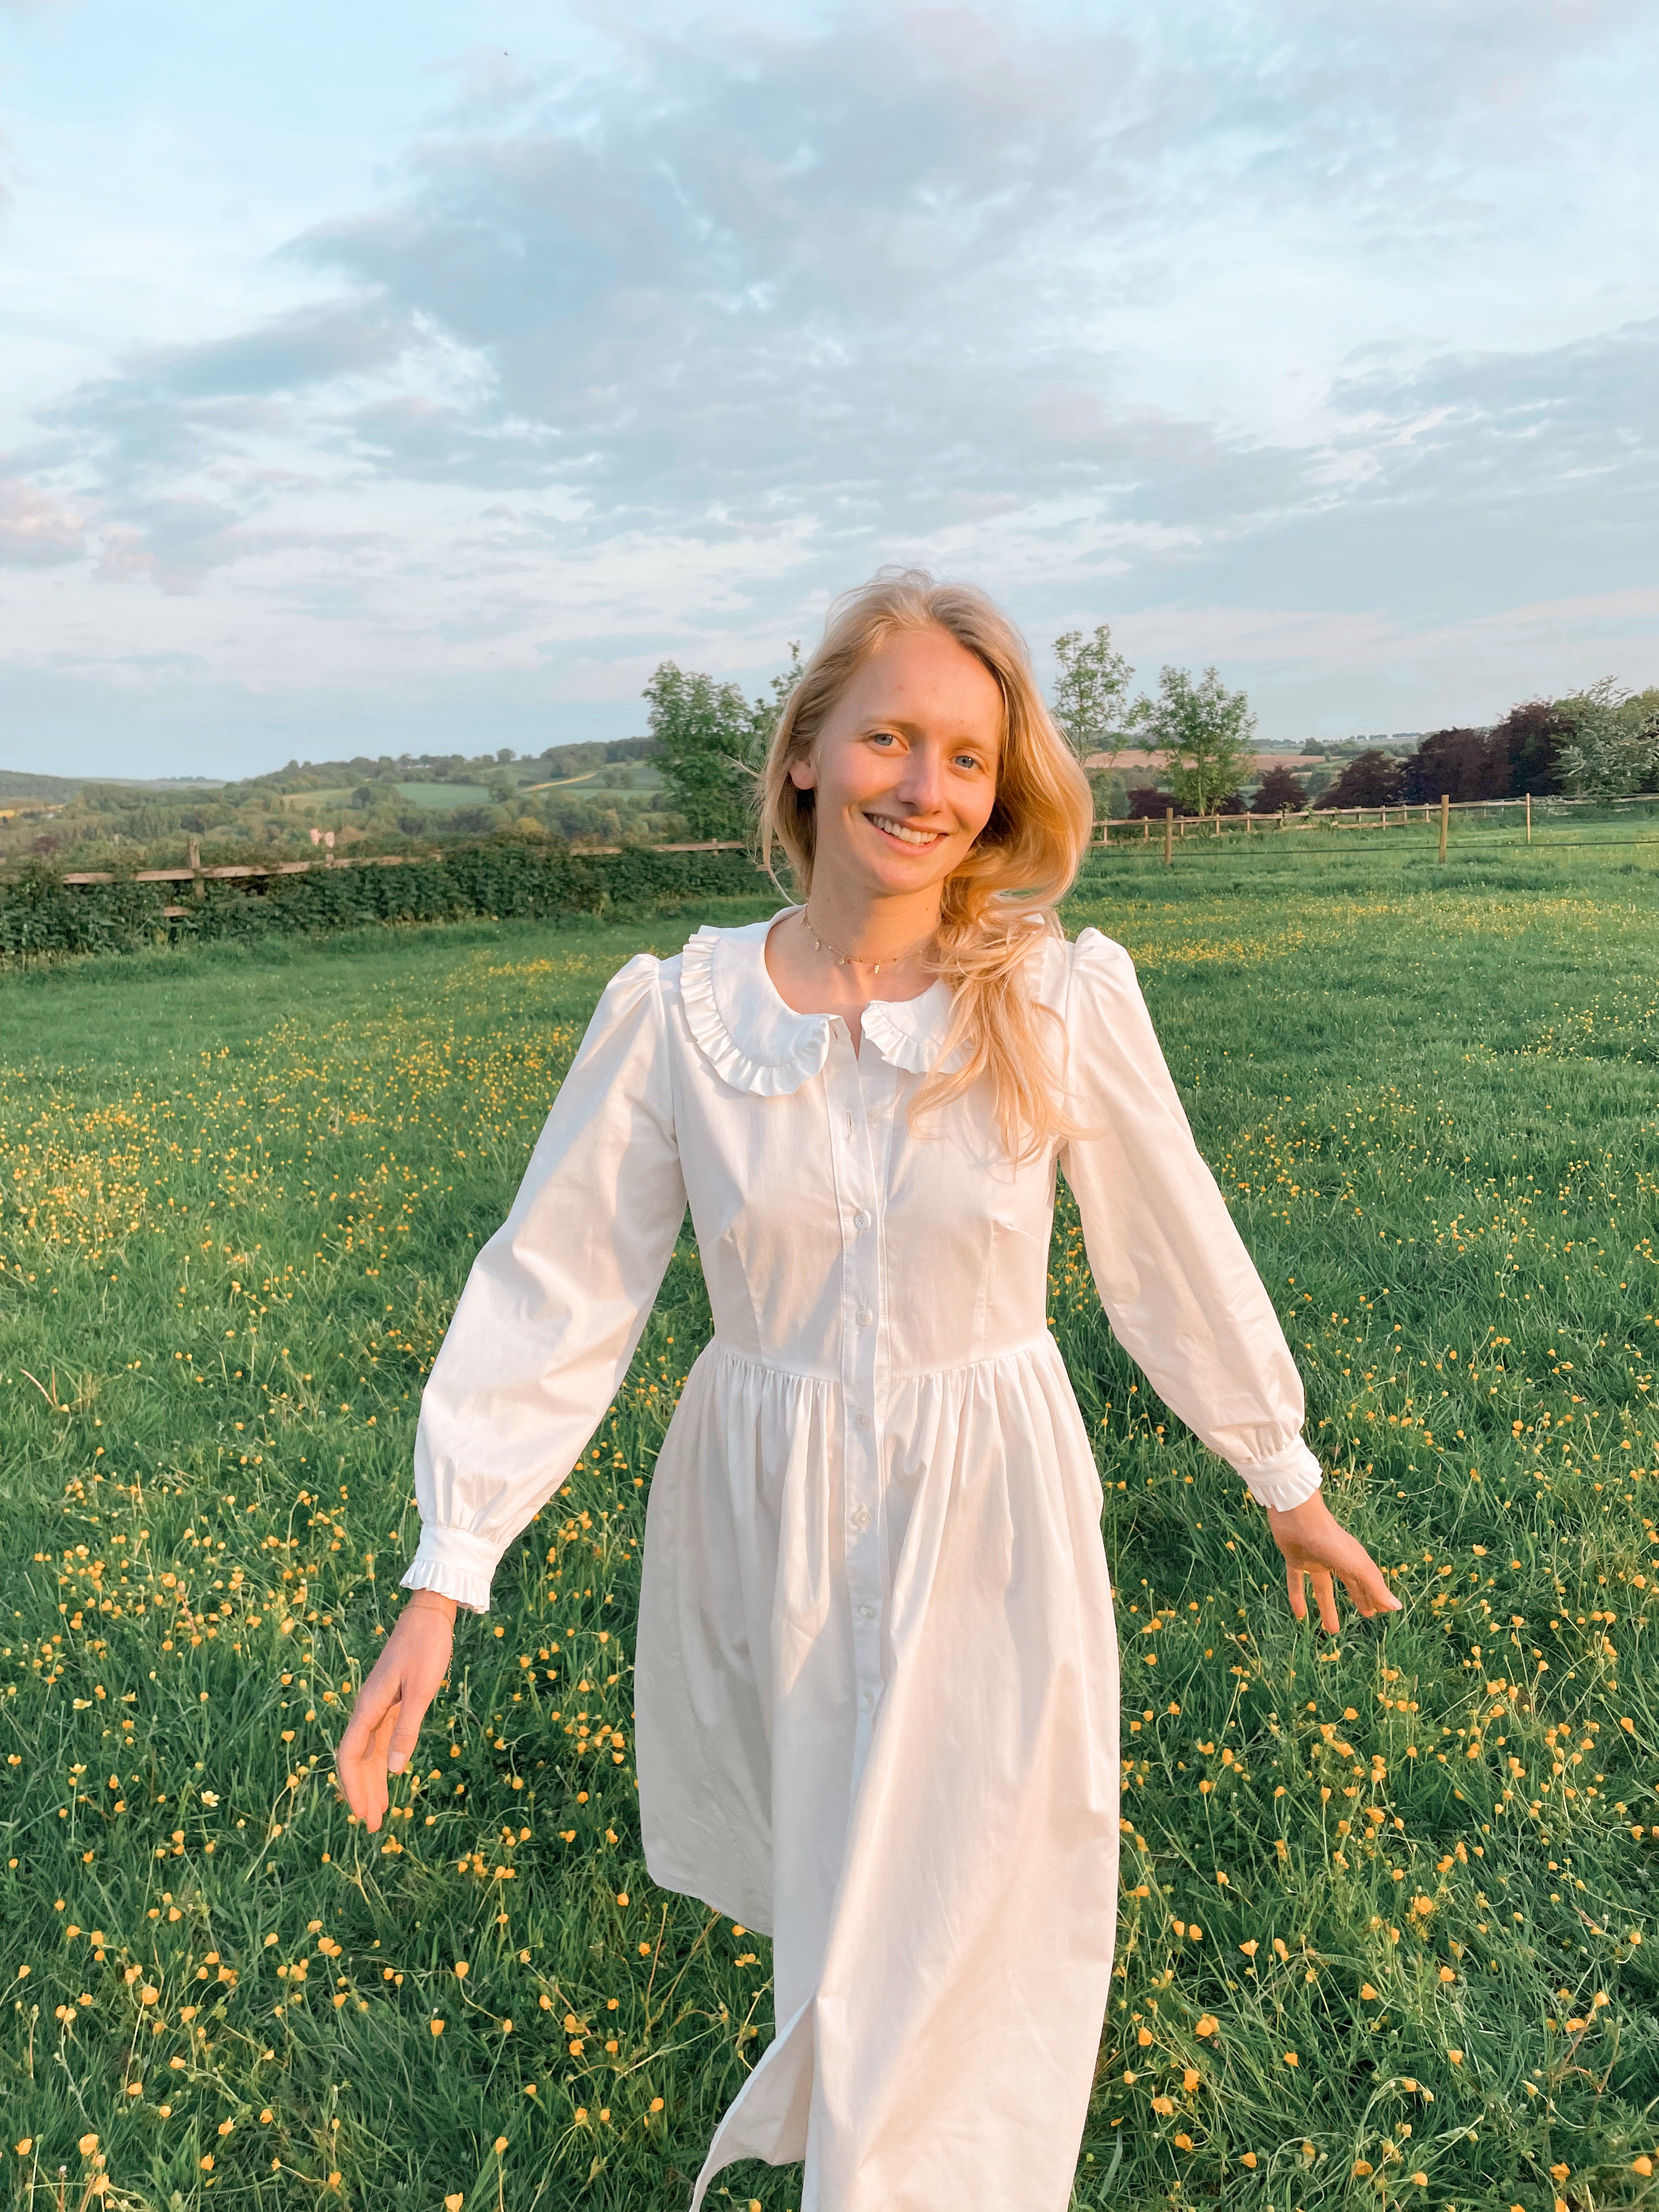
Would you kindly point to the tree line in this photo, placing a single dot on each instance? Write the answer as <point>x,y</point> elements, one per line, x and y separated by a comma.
<point>709,740</point>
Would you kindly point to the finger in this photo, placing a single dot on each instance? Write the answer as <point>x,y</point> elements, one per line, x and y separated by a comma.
<point>374,1700</point>
<point>360,1759</point>
<point>1359,1595</point>
<point>1326,1596</point>
<point>1294,1581</point>
<point>376,1793</point>
<point>406,1731</point>
<point>1368,1596</point>
<point>1370,1592</point>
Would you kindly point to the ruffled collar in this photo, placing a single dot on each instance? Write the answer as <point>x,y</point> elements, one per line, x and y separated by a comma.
<point>758,1044</point>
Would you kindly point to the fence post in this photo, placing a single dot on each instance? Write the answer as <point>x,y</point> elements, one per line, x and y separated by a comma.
<point>1169,835</point>
<point>1529,817</point>
<point>1218,822</point>
<point>1445,816</point>
<point>1146,827</point>
<point>196,868</point>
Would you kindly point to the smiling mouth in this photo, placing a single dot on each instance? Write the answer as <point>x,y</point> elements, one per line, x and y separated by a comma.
<point>901,832</point>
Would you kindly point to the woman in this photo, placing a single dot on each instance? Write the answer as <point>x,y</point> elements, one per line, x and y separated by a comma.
<point>876,1682</point>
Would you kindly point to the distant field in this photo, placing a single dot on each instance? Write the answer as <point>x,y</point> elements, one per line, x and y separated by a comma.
<point>1388,1912</point>
<point>615,776</point>
<point>435,795</point>
<point>440,795</point>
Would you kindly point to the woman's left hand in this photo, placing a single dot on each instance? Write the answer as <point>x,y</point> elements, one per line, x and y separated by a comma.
<point>1316,1544</point>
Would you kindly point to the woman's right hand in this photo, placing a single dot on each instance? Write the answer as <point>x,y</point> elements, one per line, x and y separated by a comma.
<point>385,1721</point>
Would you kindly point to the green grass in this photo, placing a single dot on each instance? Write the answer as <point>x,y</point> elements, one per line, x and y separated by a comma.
<point>443,795</point>
<point>239,1194</point>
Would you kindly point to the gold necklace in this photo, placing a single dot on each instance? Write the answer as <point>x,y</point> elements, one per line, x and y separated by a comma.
<point>853,960</point>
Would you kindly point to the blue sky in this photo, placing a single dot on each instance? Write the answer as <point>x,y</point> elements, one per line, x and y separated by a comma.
<point>420,376</point>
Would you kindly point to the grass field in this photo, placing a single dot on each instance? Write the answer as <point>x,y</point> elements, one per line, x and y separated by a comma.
<point>1388,1914</point>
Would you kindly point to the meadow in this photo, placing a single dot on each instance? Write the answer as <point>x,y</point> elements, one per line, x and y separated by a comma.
<point>1388,1923</point>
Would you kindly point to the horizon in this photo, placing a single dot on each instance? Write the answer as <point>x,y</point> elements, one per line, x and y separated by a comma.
<point>375,388</point>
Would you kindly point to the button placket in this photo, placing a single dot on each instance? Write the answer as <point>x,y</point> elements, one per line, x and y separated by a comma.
<point>860,1369</point>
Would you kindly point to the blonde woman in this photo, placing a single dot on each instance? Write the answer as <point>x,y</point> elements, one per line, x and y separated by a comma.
<point>877,1676</point>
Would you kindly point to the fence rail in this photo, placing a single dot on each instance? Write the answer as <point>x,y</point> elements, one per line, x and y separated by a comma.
<point>1173,828</point>
<point>195,875</point>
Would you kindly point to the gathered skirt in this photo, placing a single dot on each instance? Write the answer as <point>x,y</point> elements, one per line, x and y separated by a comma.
<point>877,1720</point>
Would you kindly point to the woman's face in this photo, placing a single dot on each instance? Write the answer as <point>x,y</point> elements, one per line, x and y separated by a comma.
<point>905,766</point>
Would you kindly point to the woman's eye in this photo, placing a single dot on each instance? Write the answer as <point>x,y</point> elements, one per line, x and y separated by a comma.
<point>967,760</point>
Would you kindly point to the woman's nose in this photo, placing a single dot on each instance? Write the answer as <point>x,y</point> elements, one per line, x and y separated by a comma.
<point>923,780</point>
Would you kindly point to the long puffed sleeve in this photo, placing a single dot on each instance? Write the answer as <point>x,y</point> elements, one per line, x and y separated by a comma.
<point>1180,1289</point>
<point>557,1301</point>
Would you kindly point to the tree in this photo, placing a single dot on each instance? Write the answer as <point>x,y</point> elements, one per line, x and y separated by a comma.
<point>710,743</point>
<point>1150,802</point>
<point>1090,695</point>
<point>1461,764</point>
<point>1612,751</point>
<point>1204,731</point>
<point>1279,792</point>
<point>1371,778</point>
<point>1530,736</point>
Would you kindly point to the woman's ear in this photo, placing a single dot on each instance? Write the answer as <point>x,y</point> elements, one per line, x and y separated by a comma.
<point>803,772</point>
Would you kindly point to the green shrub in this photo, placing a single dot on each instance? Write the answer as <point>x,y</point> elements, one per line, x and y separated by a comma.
<point>41,917</point>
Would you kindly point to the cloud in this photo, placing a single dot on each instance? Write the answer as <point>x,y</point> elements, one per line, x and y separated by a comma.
<point>36,531</point>
<point>1160,313</point>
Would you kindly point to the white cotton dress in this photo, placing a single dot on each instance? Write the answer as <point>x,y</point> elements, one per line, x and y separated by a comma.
<point>876,1673</point>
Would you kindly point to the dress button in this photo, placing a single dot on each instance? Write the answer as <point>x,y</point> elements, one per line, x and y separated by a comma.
<point>863,1420</point>
<point>860,1519</point>
<point>867,1699</point>
<point>866,1613</point>
<point>864,1317</point>
<point>861,1219</point>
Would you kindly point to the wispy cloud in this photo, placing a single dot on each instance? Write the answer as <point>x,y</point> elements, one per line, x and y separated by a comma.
<point>36,531</point>
<point>1264,308</point>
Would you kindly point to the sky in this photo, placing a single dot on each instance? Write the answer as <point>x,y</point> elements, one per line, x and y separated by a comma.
<point>419,377</point>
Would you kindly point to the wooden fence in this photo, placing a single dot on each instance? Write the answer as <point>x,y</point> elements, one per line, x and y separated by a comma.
<point>197,876</point>
<point>1174,828</point>
<point>1139,830</point>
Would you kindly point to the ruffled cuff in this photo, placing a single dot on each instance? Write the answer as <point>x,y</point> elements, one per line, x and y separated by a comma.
<point>455,1564</point>
<point>1289,1478</point>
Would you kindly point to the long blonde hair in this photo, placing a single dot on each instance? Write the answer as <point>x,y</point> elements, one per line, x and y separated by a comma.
<point>1002,899</point>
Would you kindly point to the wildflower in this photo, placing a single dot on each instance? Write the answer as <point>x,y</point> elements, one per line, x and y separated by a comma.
<point>1291,2058</point>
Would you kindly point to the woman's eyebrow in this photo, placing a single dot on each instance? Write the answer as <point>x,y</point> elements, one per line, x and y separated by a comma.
<point>909,729</point>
